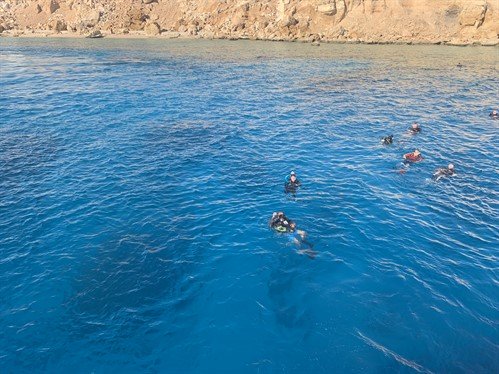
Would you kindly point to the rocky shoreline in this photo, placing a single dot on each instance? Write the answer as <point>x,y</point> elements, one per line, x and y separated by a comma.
<point>97,34</point>
<point>447,22</point>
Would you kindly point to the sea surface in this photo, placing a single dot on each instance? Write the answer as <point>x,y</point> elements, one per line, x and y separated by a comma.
<point>137,179</point>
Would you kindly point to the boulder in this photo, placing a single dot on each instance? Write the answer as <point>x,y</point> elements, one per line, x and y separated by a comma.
<point>149,1</point>
<point>2,29</point>
<point>329,9</point>
<point>171,34</point>
<point>95,35</point>
<point>90,19</point>
<point>152,29</point>
<point>208,34</point>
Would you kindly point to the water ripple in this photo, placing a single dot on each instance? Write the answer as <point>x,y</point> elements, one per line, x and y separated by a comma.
<point>138,177</point>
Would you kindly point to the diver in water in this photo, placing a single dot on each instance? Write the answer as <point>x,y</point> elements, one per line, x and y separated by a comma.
<point>292,183</point>
<point>387,140</point>
<point>494,114</point>
<point>444,172</point>
<point>415,128</point>
<point>282,224</point>
<point>409,158</point>
<point>413,156</point>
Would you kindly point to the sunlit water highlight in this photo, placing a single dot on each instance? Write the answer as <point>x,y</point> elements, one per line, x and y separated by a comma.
<point>137,179</point>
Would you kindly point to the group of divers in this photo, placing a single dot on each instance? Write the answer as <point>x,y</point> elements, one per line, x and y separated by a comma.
<point>283,225</point>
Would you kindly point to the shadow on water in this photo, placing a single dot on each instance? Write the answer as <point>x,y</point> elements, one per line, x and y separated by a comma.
<point>128,273</point>
<point>26,157</point>
<point>128,284</point>
<point>290,273</point>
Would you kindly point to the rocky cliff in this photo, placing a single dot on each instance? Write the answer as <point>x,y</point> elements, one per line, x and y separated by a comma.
<point>369,21</point>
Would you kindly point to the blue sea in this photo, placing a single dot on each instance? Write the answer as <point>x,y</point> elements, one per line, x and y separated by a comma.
<point>137,179</point>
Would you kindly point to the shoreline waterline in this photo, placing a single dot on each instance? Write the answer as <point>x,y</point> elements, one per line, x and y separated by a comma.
<point>177,35</point>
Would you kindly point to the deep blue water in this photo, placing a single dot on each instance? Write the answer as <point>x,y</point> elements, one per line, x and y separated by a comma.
<point>137,179</point>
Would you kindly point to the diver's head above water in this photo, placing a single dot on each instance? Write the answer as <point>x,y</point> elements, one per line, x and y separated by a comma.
<point>278,217</point>
<point>413,156</point>
<point>415,128</point>
<point>387,139</point>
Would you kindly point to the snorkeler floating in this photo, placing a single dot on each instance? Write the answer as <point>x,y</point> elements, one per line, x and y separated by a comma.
<point>387,140</point>
<point>292,183</point>
<point>283,225</point>
<point>413,156</point>
<point>494,114</point>
<point>415,128</point>
<point>444,172</point>
<point>280,223</point>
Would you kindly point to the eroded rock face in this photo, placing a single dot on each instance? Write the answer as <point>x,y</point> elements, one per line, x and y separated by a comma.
<point>50,6</point>
<point>328,8</point>
<point>473,13</point>
<point>370,21</point>
<point>57,25</point>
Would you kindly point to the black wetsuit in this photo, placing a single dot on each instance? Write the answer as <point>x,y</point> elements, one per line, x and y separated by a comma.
<point>387,140</point>
<point>443,172</point>
<point>494,115</point>
<point>291,187</point>
<point>281,223</point>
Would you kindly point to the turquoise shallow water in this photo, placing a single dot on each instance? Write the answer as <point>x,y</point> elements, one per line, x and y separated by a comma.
<point>137,179</point>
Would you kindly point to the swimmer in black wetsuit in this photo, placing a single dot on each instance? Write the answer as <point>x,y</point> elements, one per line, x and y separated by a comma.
<point>292,183</point>
<point>387,140</point>
<point>444,172</point>
<point>282,224</point>
<point>494,114</point>
<point>415,128</point>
